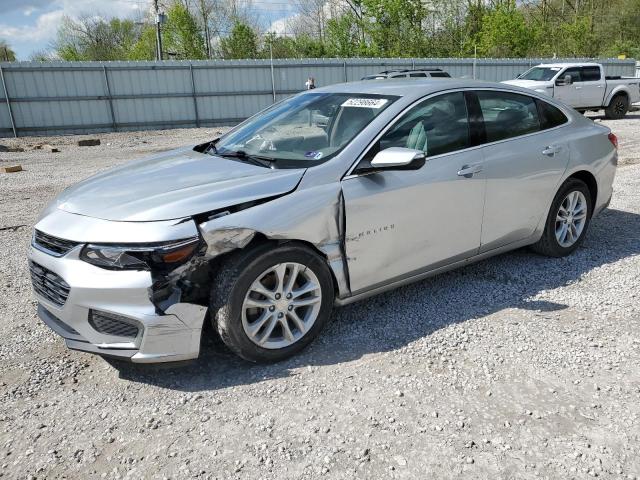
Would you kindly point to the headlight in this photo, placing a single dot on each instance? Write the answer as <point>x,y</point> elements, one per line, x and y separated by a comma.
<point>140,257</point>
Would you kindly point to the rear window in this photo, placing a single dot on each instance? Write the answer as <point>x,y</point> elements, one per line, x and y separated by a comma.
<point>550,116</point>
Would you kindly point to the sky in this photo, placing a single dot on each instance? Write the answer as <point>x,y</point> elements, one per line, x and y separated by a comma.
<point>30,25</point>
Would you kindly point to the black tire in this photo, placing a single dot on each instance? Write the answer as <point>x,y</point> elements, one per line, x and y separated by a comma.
<point>618,107</point>
<point>548,244</point>
<point>234,278</point>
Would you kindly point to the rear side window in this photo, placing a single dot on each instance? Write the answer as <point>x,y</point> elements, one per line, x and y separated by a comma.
<point>440,74</point>
<point>550,116</point>
<point>507,115</point>
<point>590,74</point>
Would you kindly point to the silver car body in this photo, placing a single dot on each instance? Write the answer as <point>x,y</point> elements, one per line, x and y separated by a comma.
<point>376,231</point>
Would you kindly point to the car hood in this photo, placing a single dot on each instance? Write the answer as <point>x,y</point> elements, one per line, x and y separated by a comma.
<point>531,84</point>
<point>172,185</point>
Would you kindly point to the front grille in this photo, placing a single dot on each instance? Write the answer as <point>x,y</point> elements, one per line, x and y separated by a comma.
<point>48,284</point>
<point>52,245</point>
<point>111,324</point>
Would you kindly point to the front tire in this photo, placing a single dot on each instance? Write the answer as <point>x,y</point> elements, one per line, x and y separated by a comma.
<point>618,107</point>
<point>269,303</point>
<point>567,221</point>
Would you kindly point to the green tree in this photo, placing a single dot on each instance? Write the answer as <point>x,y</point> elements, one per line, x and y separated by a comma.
<point>310,47</point>
<point>91,38</point>
<point>343,37</point>
<point>145,46</point>
<point>279,46</point>
<point>241,43</point>
<point>505,33</point>
<point>6,53</point>
<point>395,27</point>
<point>181,34</point>
<point>577,39</point>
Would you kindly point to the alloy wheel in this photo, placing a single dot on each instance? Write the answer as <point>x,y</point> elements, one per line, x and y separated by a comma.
<point>281,305</point>
<point>571,218</point>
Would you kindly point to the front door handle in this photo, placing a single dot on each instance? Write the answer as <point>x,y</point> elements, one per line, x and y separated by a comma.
<point>551,150</point>
<point>467,171</point>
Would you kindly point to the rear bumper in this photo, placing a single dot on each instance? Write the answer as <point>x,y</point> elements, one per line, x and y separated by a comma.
<point>169,336</point>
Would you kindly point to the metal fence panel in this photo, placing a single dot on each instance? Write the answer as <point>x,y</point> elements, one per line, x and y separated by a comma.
<point>83,97</point>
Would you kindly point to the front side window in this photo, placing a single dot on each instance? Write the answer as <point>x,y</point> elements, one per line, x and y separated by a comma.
<point>435,126</point>
<point>507,114</point>
<point>574,73</point>
<point>303,130</point>
<point>417,74</point>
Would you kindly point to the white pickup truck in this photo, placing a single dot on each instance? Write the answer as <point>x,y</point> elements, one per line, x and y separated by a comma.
<point>583,86</point>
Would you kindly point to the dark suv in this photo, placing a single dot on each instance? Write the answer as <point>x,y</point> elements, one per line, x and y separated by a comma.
<point>417,73</point>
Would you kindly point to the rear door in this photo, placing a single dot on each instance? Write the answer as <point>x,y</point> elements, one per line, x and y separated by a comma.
<point>524,158</point>
<point>401,222</point>
<point>592,86</point>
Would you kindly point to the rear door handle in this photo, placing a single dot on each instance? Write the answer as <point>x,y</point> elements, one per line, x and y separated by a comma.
<point>551,150</point>
<point>467,171</point>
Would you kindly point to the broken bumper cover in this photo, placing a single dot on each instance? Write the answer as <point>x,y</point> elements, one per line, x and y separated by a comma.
<point>173,335</point>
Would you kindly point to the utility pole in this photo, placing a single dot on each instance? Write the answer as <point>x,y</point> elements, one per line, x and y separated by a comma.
<point>158,32</point>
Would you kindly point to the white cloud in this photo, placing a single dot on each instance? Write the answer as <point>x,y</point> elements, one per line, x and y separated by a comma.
<point>31,25</point>
<point>44,29</point>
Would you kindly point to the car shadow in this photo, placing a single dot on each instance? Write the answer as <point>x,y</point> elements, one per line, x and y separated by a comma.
<point>629,116</point>
<point>395,319</point>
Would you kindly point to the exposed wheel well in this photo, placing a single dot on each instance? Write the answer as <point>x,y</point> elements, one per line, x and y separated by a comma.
<point>591,182</point>
<point>260,239</point>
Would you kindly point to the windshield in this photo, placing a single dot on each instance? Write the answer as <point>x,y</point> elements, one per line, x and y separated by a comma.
<point>540,74</point>
<point>303,130</point>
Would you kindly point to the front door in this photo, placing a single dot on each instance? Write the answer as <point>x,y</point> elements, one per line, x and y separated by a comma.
<point>569,94</point>
<point>402,222</point>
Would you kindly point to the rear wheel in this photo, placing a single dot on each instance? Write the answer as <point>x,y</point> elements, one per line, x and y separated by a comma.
<point>567,221</point>
<point>618,107</point>
<point>272,302</point>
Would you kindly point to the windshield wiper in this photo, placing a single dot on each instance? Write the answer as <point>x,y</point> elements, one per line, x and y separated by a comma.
<point>242,155</point>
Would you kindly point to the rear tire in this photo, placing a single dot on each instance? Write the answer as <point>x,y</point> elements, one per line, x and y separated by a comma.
<point>618,107</point>
<point>567,221</point>
<point>256,301</point>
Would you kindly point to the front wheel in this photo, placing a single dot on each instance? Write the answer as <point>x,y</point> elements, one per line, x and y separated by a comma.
<point>567,221</point>
<point>618,107</point>
<point>270,303</point>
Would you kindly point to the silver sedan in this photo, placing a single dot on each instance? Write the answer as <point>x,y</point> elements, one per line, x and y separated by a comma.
<point>323,199</point>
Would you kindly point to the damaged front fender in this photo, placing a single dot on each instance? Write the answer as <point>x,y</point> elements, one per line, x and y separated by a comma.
<point>314,215</point>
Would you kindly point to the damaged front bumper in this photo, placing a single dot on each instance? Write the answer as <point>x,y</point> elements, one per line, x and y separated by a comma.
<point>110,312</point>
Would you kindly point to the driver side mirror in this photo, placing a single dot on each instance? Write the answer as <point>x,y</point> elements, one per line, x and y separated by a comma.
<point>398,158</point>
<point>566,80</point>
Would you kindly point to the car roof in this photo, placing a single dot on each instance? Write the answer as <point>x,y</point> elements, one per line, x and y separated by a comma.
<point>569,64</point>
<point>414,88</point>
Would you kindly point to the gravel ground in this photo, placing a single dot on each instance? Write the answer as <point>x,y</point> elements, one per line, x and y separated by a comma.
<point>517,367</point>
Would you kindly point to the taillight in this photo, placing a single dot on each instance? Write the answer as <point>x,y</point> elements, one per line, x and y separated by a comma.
<point>614,140</point>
